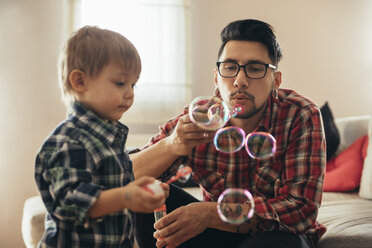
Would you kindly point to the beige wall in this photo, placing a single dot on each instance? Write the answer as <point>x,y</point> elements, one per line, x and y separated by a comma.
<point>326,45</point>
<point>30,105</point>
<point>327,57</point>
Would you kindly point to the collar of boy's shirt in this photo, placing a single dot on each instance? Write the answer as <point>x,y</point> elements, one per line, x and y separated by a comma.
<point>110,132</point>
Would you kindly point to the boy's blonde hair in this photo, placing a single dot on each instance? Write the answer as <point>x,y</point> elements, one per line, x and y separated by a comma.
<point>89,50</point>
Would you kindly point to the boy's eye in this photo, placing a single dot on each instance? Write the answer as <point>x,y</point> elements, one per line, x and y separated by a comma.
<point>120,84</point>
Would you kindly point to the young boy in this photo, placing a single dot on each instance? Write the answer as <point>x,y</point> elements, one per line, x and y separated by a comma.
<point>82,172</point>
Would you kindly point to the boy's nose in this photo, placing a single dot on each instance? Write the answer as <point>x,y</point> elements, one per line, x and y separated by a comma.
<point>129,93</point>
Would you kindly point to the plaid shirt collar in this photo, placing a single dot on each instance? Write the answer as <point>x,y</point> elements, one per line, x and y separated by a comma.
<point>112,132</point>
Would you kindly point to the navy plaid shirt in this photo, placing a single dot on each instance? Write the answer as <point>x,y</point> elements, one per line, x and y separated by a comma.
<point>83,156</point>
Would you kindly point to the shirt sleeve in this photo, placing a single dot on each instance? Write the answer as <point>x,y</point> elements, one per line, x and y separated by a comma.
<point>67,177</point>
<point>166,130</point>
<point>298,193</point>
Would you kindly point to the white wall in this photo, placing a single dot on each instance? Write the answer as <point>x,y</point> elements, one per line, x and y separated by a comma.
<point>327,56</point>
<point>326,46</point>
<point>31,33</point>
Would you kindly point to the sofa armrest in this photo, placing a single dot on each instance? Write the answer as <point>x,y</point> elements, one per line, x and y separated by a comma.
<point>33,221</point>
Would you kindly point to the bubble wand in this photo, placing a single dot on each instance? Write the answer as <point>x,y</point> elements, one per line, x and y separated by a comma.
<point>182,172</point>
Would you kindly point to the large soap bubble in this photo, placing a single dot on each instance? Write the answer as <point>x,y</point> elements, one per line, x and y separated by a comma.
<point>235,206</point>
<point>260,145</point>
<point>229,139</point>
<point>209,113</point>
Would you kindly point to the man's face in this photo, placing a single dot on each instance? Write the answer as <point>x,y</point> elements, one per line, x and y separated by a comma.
<point>251,94</point>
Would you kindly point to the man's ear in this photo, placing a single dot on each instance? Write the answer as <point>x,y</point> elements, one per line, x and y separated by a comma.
<point>215,77</point>
<point>277,79</point>
<point>77,80</point>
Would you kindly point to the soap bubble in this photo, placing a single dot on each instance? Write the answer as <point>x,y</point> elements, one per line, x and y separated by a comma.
<point>209,113</point>
<point>229,139</point>
<point>235,206</point>
<point>260,145</point>
<point>235,110</point>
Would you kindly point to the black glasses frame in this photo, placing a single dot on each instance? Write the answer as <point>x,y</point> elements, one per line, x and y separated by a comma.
<point>244,67</point>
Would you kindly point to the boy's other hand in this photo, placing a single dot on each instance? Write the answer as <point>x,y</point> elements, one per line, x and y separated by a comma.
<point>165,187</point>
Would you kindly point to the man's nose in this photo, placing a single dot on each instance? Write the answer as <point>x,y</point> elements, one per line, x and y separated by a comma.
<point>241,80</point>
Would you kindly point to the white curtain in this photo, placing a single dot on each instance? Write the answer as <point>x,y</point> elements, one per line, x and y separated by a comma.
<point>158,29</point>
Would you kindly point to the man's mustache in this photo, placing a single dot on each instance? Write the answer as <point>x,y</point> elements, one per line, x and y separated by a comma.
<point>249,96</point>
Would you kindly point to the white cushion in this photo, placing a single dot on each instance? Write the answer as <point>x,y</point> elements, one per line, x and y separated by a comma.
<point>350,129</point>
<point>33,221</point>
<point>365,190</point>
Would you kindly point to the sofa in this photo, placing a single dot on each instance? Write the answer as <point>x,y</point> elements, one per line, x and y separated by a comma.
<point>347,215</point>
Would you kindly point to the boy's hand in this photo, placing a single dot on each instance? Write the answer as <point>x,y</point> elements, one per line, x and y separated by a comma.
<point>165,187</point>
<point>138,199</point>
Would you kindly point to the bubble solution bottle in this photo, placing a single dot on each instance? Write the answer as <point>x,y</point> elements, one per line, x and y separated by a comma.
<point>160,212</point>
<point>156,189</point>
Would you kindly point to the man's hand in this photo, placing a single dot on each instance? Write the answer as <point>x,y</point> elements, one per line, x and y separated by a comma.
<point>187,135</point>
<point>180,225</point>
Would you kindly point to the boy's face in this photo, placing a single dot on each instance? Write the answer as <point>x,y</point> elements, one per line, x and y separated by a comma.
<point>109,94</point>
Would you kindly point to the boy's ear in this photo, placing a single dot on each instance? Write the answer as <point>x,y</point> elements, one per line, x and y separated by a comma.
<point>77,80</point>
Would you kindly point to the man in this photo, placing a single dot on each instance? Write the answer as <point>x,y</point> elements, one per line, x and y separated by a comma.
<point>286,187</point>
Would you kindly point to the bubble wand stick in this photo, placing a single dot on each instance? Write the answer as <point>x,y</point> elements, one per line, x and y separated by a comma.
<point>182,172</point>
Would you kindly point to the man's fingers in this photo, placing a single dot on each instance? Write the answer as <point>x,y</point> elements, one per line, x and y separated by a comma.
<point>165,221</point>
<point>185,119</point>
<point>169,230</point>
<point>173,240</point>
<point>199,135</point>
<point>170,241</point>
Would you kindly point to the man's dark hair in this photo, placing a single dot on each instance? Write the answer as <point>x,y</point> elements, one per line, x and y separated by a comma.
<point>252,30</point>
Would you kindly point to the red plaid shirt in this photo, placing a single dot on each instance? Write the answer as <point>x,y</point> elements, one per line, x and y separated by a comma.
<point>287,187</point>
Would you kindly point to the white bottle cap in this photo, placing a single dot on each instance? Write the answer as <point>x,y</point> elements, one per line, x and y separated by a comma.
<point>155,188</point>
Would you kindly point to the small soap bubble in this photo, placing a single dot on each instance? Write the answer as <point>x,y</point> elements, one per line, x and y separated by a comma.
<point>235,206</point>
<point>229,139</point>
<point>260,145</point>
<point>236,109</point>
<point>209,113</point>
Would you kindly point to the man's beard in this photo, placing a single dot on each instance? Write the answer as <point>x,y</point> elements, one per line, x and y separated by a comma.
<point>254,110</point>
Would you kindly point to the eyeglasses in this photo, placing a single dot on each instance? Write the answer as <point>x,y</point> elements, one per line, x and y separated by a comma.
<point>252,70</point>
